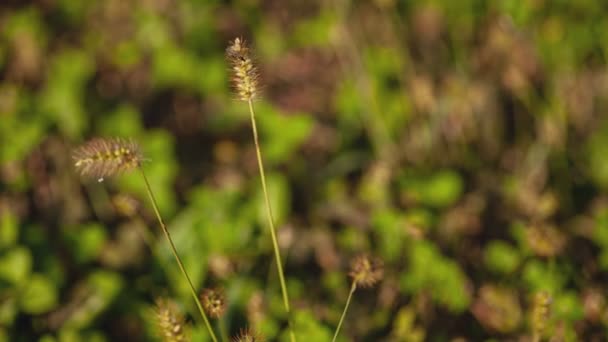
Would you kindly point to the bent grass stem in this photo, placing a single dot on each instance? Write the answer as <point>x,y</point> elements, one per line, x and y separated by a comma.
<point>350,296</point>
<point>177,258</point>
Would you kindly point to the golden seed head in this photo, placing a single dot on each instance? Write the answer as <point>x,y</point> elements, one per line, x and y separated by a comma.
<point>171,324</point>
<point>214,302</point>
<point>246,335</point>
<point>366,271</point>
<point>245,76</point>
<point>540,312</point>
<point>106,157</point>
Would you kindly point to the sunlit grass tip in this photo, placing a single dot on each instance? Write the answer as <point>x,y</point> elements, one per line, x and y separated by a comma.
<point>245,76</point>
<point>106,157</point>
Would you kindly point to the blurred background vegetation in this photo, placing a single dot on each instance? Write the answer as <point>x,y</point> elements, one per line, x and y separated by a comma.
<point>464,142</point>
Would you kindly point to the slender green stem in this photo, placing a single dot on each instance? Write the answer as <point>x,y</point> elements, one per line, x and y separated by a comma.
<point>221,323</point>
<point>350,296</point>
<point>177,258</point>
<point>273,235</point>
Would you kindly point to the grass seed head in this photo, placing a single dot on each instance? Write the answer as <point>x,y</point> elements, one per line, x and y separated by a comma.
<point>245,75</point>
<point>214,302</point>
<point>247,335</point>
<point>366,271</point>
<point>102,158</point>
<point>171,324</point>
<point>540,312</point>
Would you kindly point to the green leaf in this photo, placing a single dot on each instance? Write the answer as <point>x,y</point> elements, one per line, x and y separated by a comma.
<point>123,121</point>
<point>62,99</point>
<point>103,287</point>
<point>501,257</point>
<point>280,199</point>
<point>86,241</point>
<point>596,152</point>
<point>438,190</point>
<point>568,306</point>
<point>308,328</point>
<point>538,276</point>
<point>15,265</point>
<point>389,226</point>
<point>8,228</point>
<point>281,135</point>
<point>441,276</point>
<point>39,295</point>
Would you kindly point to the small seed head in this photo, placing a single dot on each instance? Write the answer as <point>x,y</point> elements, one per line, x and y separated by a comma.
<point>245,76</point>
<point>540,312</point>
<point>366,271</point>
<point>102,158</point>
<point>247,335</point>
<point>170,322</point>
<point>214,302</point>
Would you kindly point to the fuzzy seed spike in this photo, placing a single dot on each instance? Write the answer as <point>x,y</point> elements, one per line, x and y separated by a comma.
<point>247,335</point>
<point>171,324</point>
<point>245,76</point>
<point>540,314</point>
<point>102,157</point>
<point>214,302</point>
<point>366,271</point>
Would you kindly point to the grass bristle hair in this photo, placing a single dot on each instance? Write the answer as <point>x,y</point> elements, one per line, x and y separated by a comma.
<point>214,302</point>
<point>245,76</point>
<point>247,335</point>
<point>366,271</point>
<point>171,325</point>
<point>102,157</point>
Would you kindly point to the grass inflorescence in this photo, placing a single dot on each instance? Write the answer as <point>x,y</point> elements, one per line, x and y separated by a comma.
<point>247,335</point>
<point>245,78</point>
<point>102,157</point>
<point>365,271</point>
<point>214,302</point>
<point>170,322</point>
<point>245,75</point>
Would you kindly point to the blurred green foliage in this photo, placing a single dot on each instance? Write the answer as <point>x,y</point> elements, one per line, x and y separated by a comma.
<point>463,142</point>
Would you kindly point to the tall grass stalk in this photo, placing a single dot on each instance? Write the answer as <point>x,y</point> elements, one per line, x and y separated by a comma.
<point>269,215</point>
<point>245,78</point>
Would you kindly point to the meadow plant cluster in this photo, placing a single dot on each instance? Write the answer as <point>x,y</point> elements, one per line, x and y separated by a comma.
<point>105,157</point>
